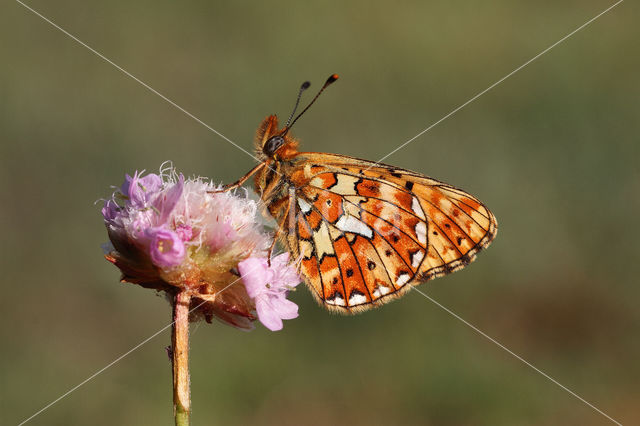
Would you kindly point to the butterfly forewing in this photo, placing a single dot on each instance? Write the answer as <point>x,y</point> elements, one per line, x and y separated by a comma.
<point>367,232</point>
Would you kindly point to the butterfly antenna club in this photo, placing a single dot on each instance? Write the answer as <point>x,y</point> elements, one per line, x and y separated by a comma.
<point>303,87</point>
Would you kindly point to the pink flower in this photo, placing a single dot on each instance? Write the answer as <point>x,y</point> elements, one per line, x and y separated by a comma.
<point>138,223</point>
<point>140,190</point>
<point>167,249</point>
<point>167,200</point>
<point>269,286</point>
<point>171,233</point>
<point>110,211</point>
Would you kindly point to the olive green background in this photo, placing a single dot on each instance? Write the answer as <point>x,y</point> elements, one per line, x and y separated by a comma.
<point>553,151</point>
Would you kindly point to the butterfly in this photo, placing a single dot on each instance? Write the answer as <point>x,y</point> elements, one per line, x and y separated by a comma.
<point>364,232</point>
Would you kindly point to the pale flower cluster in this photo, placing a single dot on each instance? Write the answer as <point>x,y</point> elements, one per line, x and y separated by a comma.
<point>171,233</point>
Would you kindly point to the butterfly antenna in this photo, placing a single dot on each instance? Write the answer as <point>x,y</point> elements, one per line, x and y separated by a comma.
<point>304,87</point>
<point>327,83</point>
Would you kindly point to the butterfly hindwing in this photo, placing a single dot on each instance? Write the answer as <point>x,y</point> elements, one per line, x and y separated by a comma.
<point>367,232</point>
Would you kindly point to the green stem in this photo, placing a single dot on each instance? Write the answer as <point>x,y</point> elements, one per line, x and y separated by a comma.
<point>180,360</point>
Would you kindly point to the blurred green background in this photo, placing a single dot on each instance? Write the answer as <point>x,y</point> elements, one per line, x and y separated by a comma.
<point>553,151</point>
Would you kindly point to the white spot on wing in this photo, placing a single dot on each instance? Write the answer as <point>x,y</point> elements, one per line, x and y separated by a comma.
<point>416,258</point>
<point>381,291</point>
<point>402,279</point>
<point>421,233</point>
<point>338,301</point>
<point>348,223</point>
<point>357,299</point>
<point>304,206</point>
<point>417,209</point>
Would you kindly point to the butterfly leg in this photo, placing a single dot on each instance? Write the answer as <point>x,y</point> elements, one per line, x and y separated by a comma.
<point>240,181</point>
<point>291,219</point>
<point>273,244</point>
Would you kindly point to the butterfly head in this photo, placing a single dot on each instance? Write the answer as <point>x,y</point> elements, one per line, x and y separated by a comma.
<point>274,143</point>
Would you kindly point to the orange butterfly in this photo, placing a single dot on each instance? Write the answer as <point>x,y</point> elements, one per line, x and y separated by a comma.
<point>366,232</point>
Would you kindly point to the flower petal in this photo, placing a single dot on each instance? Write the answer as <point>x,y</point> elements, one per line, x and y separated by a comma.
<point>126,185</point>
<point>253,272</point>
<point>140,190</point>
<point>267,315</point>
<point>284,308</point>
<point>110,211</point>
<point>166,201</point>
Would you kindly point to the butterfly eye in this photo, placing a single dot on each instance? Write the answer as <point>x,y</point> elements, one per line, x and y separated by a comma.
<point>272,145</point>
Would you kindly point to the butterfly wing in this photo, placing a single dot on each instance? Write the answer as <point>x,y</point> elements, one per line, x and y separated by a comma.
<point>367,232</point>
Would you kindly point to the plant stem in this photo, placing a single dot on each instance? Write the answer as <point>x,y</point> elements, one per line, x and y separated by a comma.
<point>180,358</point>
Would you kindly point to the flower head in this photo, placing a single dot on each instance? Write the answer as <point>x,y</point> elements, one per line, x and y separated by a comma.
<point>170,233</point>
<point>269,286</point>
